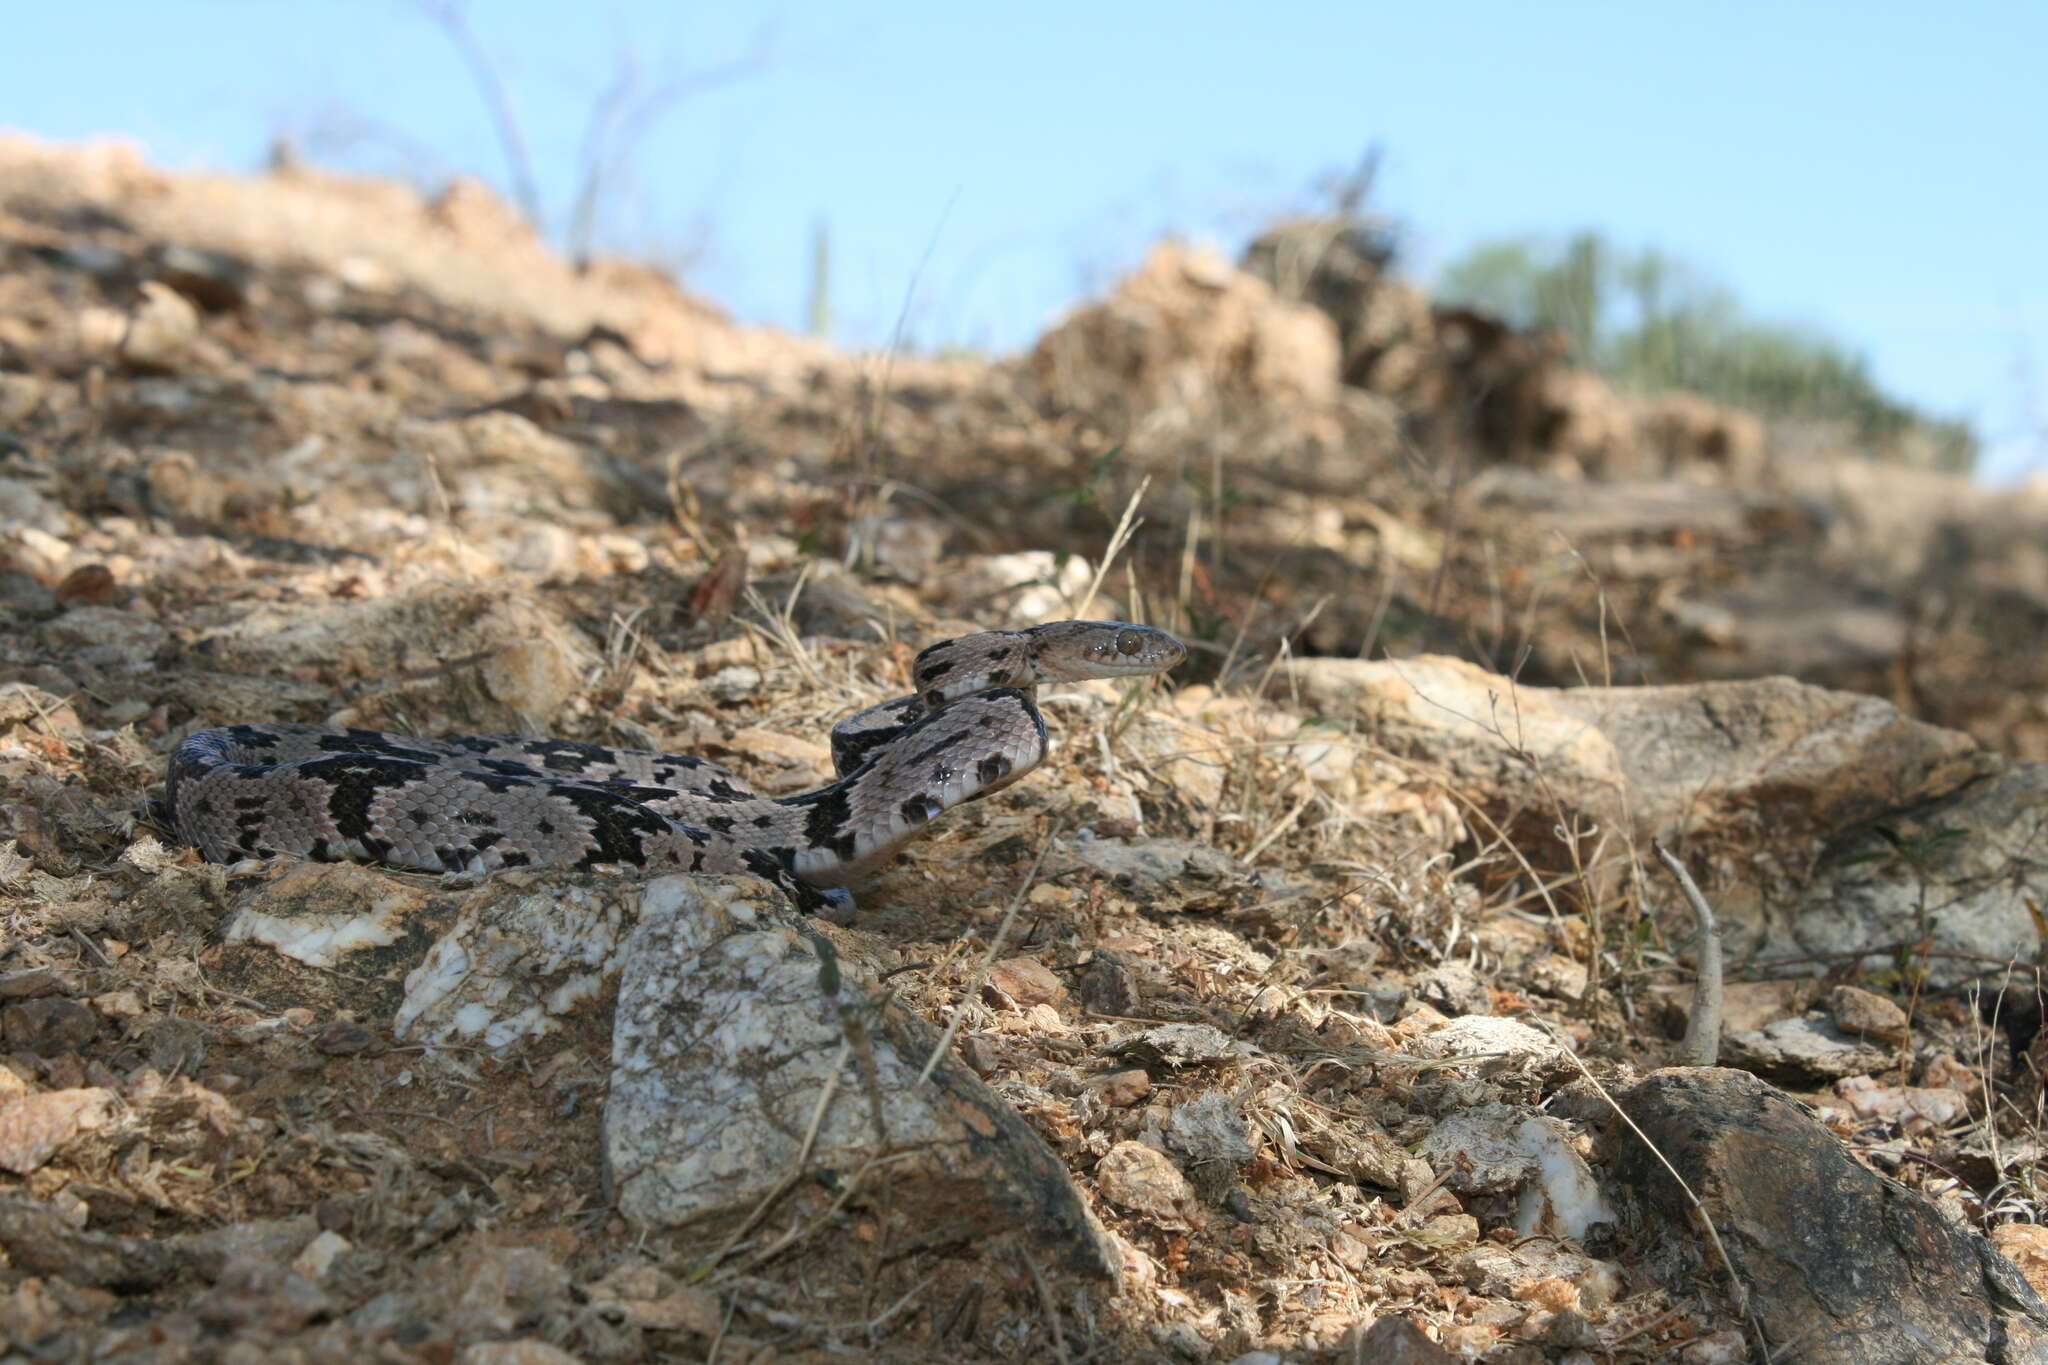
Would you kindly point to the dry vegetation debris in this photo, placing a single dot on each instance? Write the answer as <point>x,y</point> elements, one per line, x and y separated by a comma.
<point>1293,989</point>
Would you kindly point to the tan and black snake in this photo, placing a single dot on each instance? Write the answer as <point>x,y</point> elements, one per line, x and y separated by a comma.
<point>478,803</point>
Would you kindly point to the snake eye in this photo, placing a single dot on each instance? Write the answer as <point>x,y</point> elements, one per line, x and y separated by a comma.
<point>1129,642</point>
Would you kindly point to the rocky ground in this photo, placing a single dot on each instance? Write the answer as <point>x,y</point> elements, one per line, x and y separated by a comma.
<point>1321,1003</point>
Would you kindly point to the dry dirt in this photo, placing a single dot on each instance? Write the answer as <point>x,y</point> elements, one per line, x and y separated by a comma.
<point>300,447</point>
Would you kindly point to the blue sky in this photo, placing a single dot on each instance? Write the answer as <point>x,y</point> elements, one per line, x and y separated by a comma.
<point>1876,170</point>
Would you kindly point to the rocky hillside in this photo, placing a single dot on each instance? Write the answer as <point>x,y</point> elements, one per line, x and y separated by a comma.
<point>1323,1003</point>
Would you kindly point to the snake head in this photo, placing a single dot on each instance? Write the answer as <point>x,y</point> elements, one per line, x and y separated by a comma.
<point>1103,649</point>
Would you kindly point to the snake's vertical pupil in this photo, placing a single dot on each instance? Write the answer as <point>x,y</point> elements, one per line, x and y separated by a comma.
<point>1129,642</point>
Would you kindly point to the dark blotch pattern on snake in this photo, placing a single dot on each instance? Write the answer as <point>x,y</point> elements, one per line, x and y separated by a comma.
<point>482,802</point>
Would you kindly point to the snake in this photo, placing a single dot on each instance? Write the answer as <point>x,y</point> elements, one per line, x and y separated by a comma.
<point>476,804</point>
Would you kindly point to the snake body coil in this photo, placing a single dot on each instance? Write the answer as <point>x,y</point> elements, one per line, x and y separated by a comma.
<point>482,802</point>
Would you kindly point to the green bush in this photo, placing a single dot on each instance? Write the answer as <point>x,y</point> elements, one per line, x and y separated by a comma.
<point>1650,323</point>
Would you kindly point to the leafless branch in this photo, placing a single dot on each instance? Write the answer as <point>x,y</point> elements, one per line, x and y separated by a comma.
<point>453,21</point>
<point>622,116</point>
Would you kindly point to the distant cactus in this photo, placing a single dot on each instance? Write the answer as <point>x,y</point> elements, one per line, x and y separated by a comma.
<point>818,316</point>
<point>1652,323</point>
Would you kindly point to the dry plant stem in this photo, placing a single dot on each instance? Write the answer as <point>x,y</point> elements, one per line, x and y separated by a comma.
<point>448,16</point>
<point>1052,1312</point>
<point>1703,1031</point>
<point>854,1184</point>
<point>988,960</point>
<point>1125,526</point>
<point>796,1167</point>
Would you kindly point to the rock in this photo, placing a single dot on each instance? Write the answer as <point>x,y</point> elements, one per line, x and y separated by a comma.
<point>1187,327</point>
<point>35,1128</point>
<point>1851,1267</point>
<point>1017,590</point>
<point>1809,1046</point>
<point>1494,1044</point>
<point>733,684</point>
<point>40,981</point>
<point>1515,748</point>
<point>1179,1045</point>
<point>1145,1180</point>
<point>106,637</point>
<point>1166,862</point>
<point>162,333</point>
<point>20,396</point>
<point>39,1242</point>
<point>214,280</point>
<point>2026,1246</point>
<point>1867,1014</point>
<point>1962,854</point>
<point>1570,420</point>
<point>48,1026</point>
<point>1510,1271</point>
<point>1210,1130</point>
<point>343,1038</point>
<point>1124,1088</point>
<point>488,965</point>
<point>317,1257</point>
<point>1454,988</point>
<point>1025,981</point>
<point>1726,757</point>
<point>1397,1341</point>
<point>90,584</point>
<point>651,1298</point>
<point>1384,325</point>
<point>1828,629</point>
<point>527,1351</point>
<point>483,658</point>
<point>1683,431</point>
<point>1497,1148</point>
<point>1915,1109</point>
<point>1898,815</point>
<point>729,1024</point>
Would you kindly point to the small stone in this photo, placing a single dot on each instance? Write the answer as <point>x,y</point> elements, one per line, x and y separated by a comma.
<point>48,1026</point>
<point>253,1294</point>
<point>34,1128</point>
<point>217,282</point>
<point>1868,1014</point>
<point>92,584</point>
<point>734,684</point>
<point>118,1005</point>
<point>1124,1088</point>
<point>344,1038</point>
<point>319,1255</point>
<point>1727,1347</point>
<point>526,1351</point>
<point>1144,1180</point>
<point>1026,981</point>
<point>161,331</point>
<point>1397,1341</point>
<point>39,981</point>
<point>2026,1246</point>
<point>20,395</point>
<point>1564,977</point>
<point>649,1298</point>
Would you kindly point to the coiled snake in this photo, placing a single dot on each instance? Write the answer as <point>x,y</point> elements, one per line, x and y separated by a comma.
<point>482,802</point>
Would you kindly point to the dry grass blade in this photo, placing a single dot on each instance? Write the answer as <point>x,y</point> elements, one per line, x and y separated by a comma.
<point>1126,525</point>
